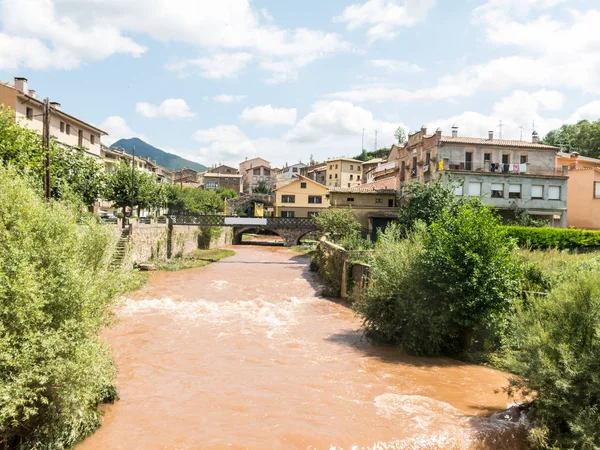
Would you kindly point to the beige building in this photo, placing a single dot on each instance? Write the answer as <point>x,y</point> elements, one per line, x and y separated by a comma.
<point>66,129</point>
<point>302,197</point>
<point>255,171</point>
<point>374,204</point>
<point>344,172</point>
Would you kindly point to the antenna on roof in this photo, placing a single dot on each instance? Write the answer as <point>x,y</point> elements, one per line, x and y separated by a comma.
<point>500,125</point>
<point>362,147</point>
<point>375,146</point>
<point>521,128</point>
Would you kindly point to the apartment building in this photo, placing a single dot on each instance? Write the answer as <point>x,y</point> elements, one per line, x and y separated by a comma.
<point>65,128</point>
<point>344,172</point>
<point>301,197</point>
<point>255,171</point>
<point>214,180</point>
<point>507,174</point>
<point>583,195</point>
<point>318,173</point>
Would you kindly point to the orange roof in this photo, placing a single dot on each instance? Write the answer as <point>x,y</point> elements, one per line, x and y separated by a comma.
<point>383,186</point>
<point>497,142</point>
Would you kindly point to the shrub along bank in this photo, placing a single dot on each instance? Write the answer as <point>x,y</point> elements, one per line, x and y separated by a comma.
<point>562,238</point>
<point>55,292</point>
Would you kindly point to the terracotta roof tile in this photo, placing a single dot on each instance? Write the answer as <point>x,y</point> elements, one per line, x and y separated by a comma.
<point>498,142</point>
<point>383,186</point>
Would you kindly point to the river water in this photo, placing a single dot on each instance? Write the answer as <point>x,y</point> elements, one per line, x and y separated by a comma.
<point>245,354</point>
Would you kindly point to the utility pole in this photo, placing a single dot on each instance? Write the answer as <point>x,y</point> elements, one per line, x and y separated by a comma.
<point>521,128</point>
<point>46,147</point>
<point>375,145</point>
<point>132,185</point>
<point>362,146</point>
<point>500,125</point>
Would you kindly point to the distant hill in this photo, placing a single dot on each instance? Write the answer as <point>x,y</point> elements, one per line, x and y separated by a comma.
<point>162,158</point>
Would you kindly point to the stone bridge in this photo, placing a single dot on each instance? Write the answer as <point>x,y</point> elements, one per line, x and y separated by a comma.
<point>291,229</point>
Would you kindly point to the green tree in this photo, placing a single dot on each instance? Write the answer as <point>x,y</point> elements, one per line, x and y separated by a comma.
<point>55,293</point>
<point>76,172</point>
<point>583,137</point>
<point>555,355</point>
<point>426,203</point>
<point>337,223</point>
<point>118,188</point>
<point>262,188</point>
<point>400,135</point>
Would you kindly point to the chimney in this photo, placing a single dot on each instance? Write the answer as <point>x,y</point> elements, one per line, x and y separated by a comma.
<point>491,135</point>
<point>454,131</point>
<point>21,84</point>
<point>31,93</point>
<point>438,133</point>
<point>534,137</point>
<point>423,130</point>
<point>55,105</point>
<point>575,155</point>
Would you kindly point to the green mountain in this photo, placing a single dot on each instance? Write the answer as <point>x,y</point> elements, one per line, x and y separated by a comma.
<point>162,158</point>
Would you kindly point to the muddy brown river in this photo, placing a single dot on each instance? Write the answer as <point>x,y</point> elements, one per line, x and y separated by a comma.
<point>245,354</point>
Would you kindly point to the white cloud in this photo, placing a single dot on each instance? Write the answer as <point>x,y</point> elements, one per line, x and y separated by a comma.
<point>268,116</point>
<point>172,108</point>
<point>221,65</point>
<point>329,121</point>
<point>225,143</point>
<point>385,18</point>
<point>117,128</point>
<point>65,33</point>
<point>226,98</point>
<point>394,65</point>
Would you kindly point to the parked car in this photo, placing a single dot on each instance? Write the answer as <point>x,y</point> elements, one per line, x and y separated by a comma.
<point>146,220</point>
<point>108,218</point>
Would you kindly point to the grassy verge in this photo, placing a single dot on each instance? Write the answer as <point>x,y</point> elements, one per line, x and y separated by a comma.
<point>305,248</point>
<point>197,258</point>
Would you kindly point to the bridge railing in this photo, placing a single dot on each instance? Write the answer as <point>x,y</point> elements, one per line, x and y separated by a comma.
<point>236,221</point>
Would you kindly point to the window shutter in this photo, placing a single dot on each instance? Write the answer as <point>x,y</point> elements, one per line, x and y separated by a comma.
<point>554,193</point>
<point>514,188</point>
<point>537,191</point>
<point>497,187</point>
<point>475,189</point>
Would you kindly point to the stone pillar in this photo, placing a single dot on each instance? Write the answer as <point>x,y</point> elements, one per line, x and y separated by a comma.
<point>169,238</point>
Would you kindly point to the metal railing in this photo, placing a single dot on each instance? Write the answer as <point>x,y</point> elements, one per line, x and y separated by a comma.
<point>305,223</point>
<point>493,167</point>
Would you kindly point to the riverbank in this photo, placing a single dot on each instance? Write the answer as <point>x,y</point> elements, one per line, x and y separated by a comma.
<point>244,353</point>
<point>194,259</point>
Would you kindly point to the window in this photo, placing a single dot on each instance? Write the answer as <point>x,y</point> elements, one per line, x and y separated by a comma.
<point>62,127</point>
<point>350,199</point>
<point>537,191</point>
<point>336,176</point>
<point>336,166</point>
<point>487,159</point>
<point>427,158</point>
<point>211,185</point>
<point>390,203</point>
<point>351,177</point>
<point>295,169</point>
<point>596,189</point>
<point>475,188</point>
<point>287,214</point>
<point>351,166</point>
<point>288,199</point>
<point>349,185</point>
<point>331,167</point>
<point>315,199</point>
<point>358,168</point>
<point>29,113</point>
<point>357,177</point>
<point>303,185</point>
<point>92,139</point>
<point>523,159</point>
<point>505,159</point>
<point>330,176</point>
<point>256,172</point>
<point>468,160</point>
<point>554,193</point>
<point>68,129</point>
<point>80,138</point>
<point>514,191</point>
<point>378,200</point>
<point>458,190</point>
<point>497,190</point>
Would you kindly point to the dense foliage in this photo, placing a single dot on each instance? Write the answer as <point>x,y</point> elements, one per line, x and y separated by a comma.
<point>367,156</point>
<point>197,201</point>
<point>118,189</point>
<point>541,238</point>
<point>555,351</point>
<point>445,288</point>
<point>262,188</point>
<point>583,137</point>
<point>55,290</point>
<point>72,171</point>
<point>337,223</point>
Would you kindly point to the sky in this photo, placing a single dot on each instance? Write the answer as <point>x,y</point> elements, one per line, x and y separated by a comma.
<point>219,81</point>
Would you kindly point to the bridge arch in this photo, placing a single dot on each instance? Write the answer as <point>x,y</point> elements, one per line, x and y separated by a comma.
<point>238,232</point>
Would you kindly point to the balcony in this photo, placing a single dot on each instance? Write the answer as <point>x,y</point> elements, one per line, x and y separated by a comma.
<point>497,168</point>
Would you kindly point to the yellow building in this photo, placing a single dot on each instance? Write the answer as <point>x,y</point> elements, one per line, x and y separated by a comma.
<point>344,173</point>
<point>374,204</point>
<point>302,197</point>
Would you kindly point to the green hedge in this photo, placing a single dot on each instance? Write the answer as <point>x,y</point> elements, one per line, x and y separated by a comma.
<point>539,238</point>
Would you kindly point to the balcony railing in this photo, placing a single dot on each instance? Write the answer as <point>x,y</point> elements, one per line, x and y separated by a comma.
<point>501,168</point>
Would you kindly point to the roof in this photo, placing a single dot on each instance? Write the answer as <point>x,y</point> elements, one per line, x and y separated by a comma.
<point>374,161</point>
<point>259,166</point>
<point>495,142</point>
<point>318,169</point>
<point>345,159</point>
<point>56,110</point>
<point>383,186</point>
<point>221,175</point>
<point>300,178</point>
<point>578,157</point>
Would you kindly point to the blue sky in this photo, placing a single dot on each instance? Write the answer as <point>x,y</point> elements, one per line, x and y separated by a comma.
<point>220,81</point>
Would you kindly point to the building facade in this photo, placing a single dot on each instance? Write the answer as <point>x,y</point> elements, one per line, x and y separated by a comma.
<point>302,197</point>
<point>212,181</point>
<point>344,172</point>
<point>66,129</point>
<point>318,173</point>
<point>253,172</point>
<point>506,174</point>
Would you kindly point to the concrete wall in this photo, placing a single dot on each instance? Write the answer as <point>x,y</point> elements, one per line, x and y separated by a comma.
<point>584,208</point>
<point>342,173</point>
<point>213,237</point>
<point>364,204</point>
<point>301,206</point>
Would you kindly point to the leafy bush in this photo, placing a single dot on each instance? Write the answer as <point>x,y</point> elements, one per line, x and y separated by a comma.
<point>556,354</point>
<point>337,223</point>
<point>542,238</point>
<point>446,288</point>
<point>55,290</point>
